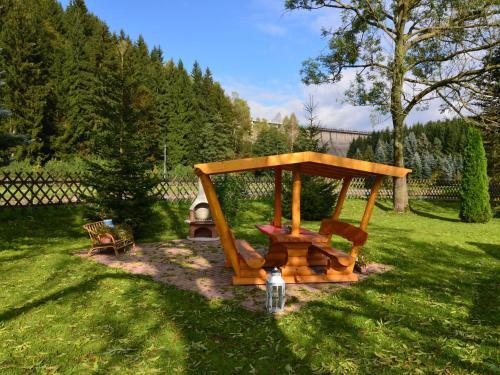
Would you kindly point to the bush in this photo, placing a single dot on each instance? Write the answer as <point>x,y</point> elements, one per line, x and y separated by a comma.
<point>231,193</point>
<point>317,197</point>
<point>475,204</point>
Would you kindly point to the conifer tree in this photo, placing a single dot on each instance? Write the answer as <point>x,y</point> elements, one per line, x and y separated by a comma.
<point>380,156</point>
<point>475,203</point>
<point>358,155</point>
<point>270,141</point>
<point>242,126</point>
<point>80,81</point>
<point>25,57</point>
<point>120,179</point>
<point>177,114</point>
<point>318,194</point>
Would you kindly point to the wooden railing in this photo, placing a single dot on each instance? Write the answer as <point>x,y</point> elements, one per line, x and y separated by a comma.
<point>41,189</point>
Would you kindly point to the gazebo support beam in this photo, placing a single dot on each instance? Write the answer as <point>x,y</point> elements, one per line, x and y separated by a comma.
<point>342,195</point>
<point>296,185</point>
<point>277,196</point>
<point>371,203</point>
<point>226,238</point>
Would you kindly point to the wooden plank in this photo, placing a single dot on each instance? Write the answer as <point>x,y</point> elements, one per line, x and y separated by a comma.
<point>341,257</point>
<point>296,202</point>
<point>277,197</point>
<point>251,257</point>
<point>226,238</point>
<point>342,165</point>
<point>341,198</point>
<point>345,230</point>
<point>371,203</point>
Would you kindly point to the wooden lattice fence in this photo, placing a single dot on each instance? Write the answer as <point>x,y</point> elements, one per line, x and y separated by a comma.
<point>40,189</point>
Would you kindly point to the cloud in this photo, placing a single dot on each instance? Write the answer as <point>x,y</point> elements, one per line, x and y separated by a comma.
<point>271,29</point>
<point>332,111</point>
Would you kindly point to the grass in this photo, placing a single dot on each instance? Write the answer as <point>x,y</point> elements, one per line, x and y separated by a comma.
<point>437,311</point>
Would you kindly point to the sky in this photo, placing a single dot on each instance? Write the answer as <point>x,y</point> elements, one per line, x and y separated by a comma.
<point>253,47</point>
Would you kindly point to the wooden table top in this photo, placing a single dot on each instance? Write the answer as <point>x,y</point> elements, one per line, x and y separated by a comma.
<point>278,234</point>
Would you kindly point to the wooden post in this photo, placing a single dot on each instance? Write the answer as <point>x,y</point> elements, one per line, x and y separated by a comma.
<point>226,238</point>
<point>296,202</point>
<point>371,202</point>
<point>342,195</point>
<point>277,197</point>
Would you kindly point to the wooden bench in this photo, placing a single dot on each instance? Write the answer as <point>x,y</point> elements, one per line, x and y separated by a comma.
<point>251,257</point>
<point>101,241</point>
<point>339,256</point>
<point>339,262</point>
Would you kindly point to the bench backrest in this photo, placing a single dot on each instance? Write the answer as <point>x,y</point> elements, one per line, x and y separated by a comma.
<point>92,228</point>
<point>351,233</point>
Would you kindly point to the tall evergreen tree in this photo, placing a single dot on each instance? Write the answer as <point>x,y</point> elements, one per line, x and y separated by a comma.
<point>242,126</point>
<point>475,204</point>
<point>177,114</point>
<point>121,180</point>
<point>26,55</point>
<point>270,141</point>
<point>380,155</point>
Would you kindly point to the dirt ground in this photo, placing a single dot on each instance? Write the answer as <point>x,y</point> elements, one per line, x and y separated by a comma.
<point>199,267</point>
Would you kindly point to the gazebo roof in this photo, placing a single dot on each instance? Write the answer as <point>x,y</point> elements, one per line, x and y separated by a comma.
<point>313,163</point>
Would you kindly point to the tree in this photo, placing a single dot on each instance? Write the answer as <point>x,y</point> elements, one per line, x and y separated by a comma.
<point>475,203</point>
<point>270,141</point>
<point>308,138</point>
<point>26,57</point>
<point>242,126</point>
<point>8,140</point>
<point>405,54</point>
<point>380,156</point>
<point>416,165</point>
<point>120,178</point>
<point>318,194</point>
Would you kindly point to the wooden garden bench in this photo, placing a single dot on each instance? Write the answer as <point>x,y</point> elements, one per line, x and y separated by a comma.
<point>251,257</point>
<point>339,260</point>
<point>105,241</point>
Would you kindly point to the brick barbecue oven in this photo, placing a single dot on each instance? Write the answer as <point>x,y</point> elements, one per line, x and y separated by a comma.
<point>201,225</point>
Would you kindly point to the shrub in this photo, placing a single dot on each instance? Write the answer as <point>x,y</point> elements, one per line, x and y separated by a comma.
<point>231,193</point>
<point>317,197</point>
<point>475,204</point>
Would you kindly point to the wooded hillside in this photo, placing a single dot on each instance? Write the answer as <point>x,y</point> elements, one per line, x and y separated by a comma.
<point>63,75</point>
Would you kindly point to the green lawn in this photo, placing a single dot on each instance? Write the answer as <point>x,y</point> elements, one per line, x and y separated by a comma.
<point>436,312</point>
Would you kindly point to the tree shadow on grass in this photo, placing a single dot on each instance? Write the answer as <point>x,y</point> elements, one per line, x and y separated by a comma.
<point>427,208</point>
<point>444,289</point>
<point>486,307</point>
<point>385,205</point>
<point>144,324</point>
<point>166,220</point>
<point>490,249</point>
<point>28,226</point>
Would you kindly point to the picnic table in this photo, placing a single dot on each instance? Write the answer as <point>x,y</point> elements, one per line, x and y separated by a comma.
<point>299,252</point>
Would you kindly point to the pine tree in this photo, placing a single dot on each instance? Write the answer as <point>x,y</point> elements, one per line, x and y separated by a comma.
<point>427,163</point>
<point>369,155</point>
<point>270,141</point>
<point>26,56</point>
<point>242,126</point>
<point>79,89</point>
<point>416,165</point>
<point>380,156</point>
<point>176,114</point>
<point>475,203</point>
<point>120,179</point>
<point>358,155</point>
<point>318,194</point>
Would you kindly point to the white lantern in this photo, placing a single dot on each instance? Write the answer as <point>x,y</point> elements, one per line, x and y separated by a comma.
<point>275,292</point>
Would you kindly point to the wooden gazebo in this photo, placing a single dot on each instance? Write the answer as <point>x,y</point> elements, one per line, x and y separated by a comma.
<point>304,256</point>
